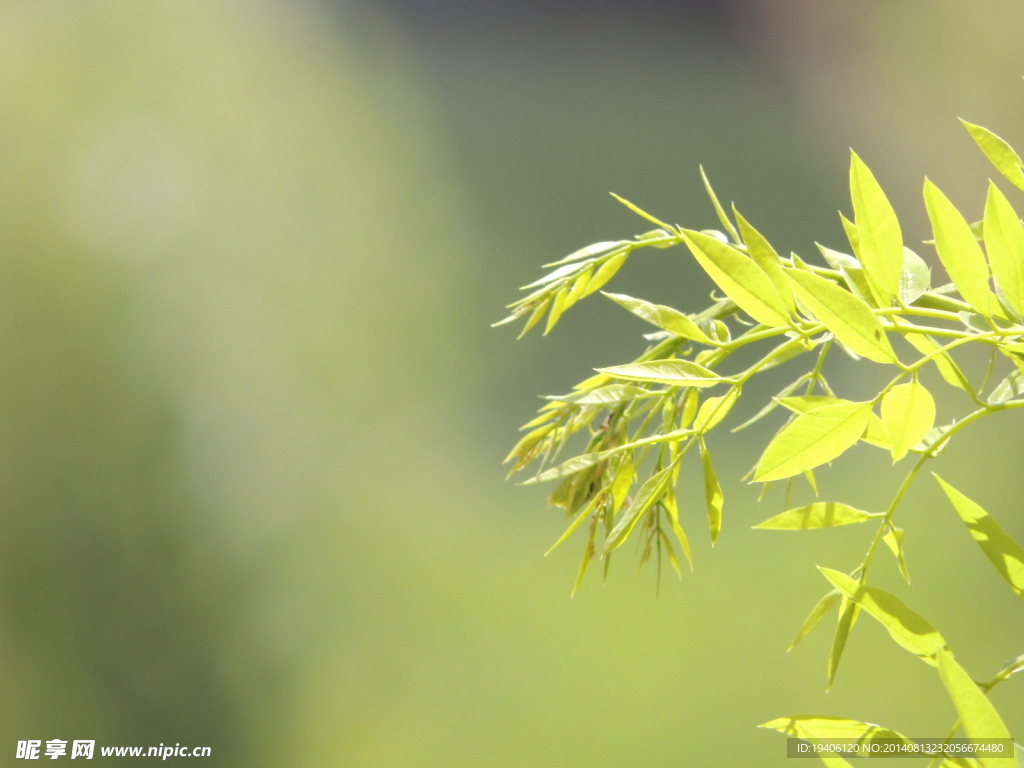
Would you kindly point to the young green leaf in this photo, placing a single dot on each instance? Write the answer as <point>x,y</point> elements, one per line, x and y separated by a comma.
<point>646,497</point>
<point>959,251</point>
<point>595,249</point>
<point>915,279</point>
<point>557,308</point>
<point>722,217</point>
<point>1005,553</point>
<point>833,727</point>
<point>582,515</point>
<point>766,258</point>
<point>740,278</point>
<point>948,369</point>
<point>712,493</point>
<point>714,409</point>
<point>606,272</point>
<point>893,539</point>
<point>907,628</point>
<point>666,318</point>
<point>610,394</point>
<point>979,718</point>
<point>1010,388</point>
<point>807,403</point>
<point>1004,241</point>
<point>570,467</point>
<point>772,404</point>
<point>641,212</point>
<point>908,414</point>
<point>668,501</point>
<point>846,316</point>
<point>821,514</point>
<point>588,555</point>
<point>677,373</point>
<point>847,618</point>
<point>881,241</point>
<point>623,482</point>
<point>818,612</point>
<point>875,433</point>
<point>813,439</point>
<point>998,152</point>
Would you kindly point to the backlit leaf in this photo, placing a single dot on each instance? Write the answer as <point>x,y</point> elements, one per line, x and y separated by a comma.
<point>606,272</point>
<point>807,403</point>
<point>881,241</point>
<point>846,316</point>
<point>813,439</point>
<point>915,279</point>
<point>766,258</point>
<point>740,278</point>
<point>908,414</point>
<point>666,318</point>
<point>712,494</point>
<point>959,251</point>
<point>610,394</point>
<point>893,539</point>
<point>948,368</point>
<point>998,152</point>
<point>847,618</point>
<point>722,217</point>
<point>907,628</point>
<point>977,715</point>
<point>714,409</point>
<point>678,373</point>
<point>833,727</point>
<point>821,514</point>
<point>1005,553</point>
<point>818,612</point>
<point>1010,388</point>
<point>1004,241</point>
<point>595,249</point>
<point>646,498</point>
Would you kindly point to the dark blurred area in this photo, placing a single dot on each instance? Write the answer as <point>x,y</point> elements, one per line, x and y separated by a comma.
<point>252,412</point>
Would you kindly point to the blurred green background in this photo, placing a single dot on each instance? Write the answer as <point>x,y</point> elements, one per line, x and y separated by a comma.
<point>252,413</point>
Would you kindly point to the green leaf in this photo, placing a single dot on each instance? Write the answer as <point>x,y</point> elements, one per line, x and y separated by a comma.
<point>623,481</point>
<point>881,241</point>
<point>557,308</point>
<point>596,249</point>
<point>606,272</point>
<point>646,498</point>
<point>570,467</point>
<point>771,405</point>
<point>740,278</point>
<point>666,318</point>
<point>908,414</point>
<point>640,212</point>
<point>582,515</point>
<point>714,409</point>
<point>998,152</point>
<point>847,619</point>
<point>677,373</point>
<point>979,718</point>
<point>1010,388</point>
<point>1004,241</point>
<point>846,316</point>
<point>875,433</point>
<point>907,628</point>
<point>959,251</point>
<point>948,369</point>
<point>807,403</point>
<point>538,313</point>
<point>670,505</point>
<point>1005,553</point>
<point>813,439</point>
<point>712,494</point>
<point>893,539</point>
<point>833,727</point>
<point>915,279</point>
<point>818,612</point>
<point>767,259</point>
<point>610,394</point>
<point>722,217</point>
<point>821,514</point>
<point>588,555</point>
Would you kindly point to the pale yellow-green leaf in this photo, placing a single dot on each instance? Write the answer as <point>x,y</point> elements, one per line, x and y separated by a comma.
<point>623,481</point>
<point>812,439</point>
<point>646,498</point>
<point>848,317</point>
<point>875,433</point>
<point>672,507</point>
<point>666,318</point>
<point>582,515</point>
<point>893,539</point>
<point>610,394</point>
<point>641,212</point>
<point>821,514</point>
<point>833,727</point>
<point>677,373</point>
<point>948,368</point>
<point>847,618</point>
<point>959,251</point>
<point>766,258</point>
<point>915,279</point>
<point>538,313</point>
<point>807,403</point>
<point>1005,553</point>
<point>908,414</point>
<point>978,716</point>
<point>907,628</point>
<point>740,278</point>
<point>595,249</point>
<point>818,612</point>
<point>1001,154</point>
<point>881,241</point>
<point>712,494</point>
<point>1004,241</point>
<point>606,272</point>
<point>714,409</point>
<point>557,308</point>
<point>722,217</point>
